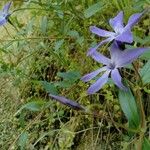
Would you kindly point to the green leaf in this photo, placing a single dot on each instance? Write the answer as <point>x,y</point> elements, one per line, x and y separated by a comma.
<point>70,75</point>
<point>93,9</point>
<point>22,141</point>
<point>146,55</point>
<point>145,73</point>
<point>44,24</point>
<point>69,78</point>
<point>64,84</point>
<point>58,44</point>
<point>146,144</point>
<point>80,41</point>
<point>34,105</point>
<point>73,34</point>
<point>49,87</point>
<point>141,40</point>
<point>50,24</point>
<point>129,108</point>
<point>22,119</point>
<point>29,27</point>
<point>60,14</point>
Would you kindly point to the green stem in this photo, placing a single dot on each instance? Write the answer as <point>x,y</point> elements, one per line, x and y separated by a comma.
<point>139,99</point>
<point>143,121</point>
<point>8,32</point>
<point>87,112</point>
<point>141,108</point>
<point>137,74</point>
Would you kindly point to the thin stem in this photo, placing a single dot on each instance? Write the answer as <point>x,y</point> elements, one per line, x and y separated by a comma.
<point>143,121</point>
<point>8,32</point>
<point>141,108</point>
<point>29,9</point>
<point>13,25</point>
<point>139,99</point>
<point>137,74</point>
<point>111,121</point>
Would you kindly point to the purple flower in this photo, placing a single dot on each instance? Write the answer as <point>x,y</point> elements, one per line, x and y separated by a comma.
<point>67,102</point>
<point>121,33</point>
<point>4,14</point>
<point>118,59</point>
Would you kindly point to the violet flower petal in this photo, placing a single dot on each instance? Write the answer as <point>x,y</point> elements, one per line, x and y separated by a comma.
<point>93,74</point>
<point>125,36</point>
<point>4,14</point>
<point>6,7</point>
<point>117,22</point>
<point>99,83</point>
<point>100,58</point>
<point>133,20</point>
<point>129,56</point>
<point>115,75</point>
<point>91,50</point>
<point>67,102</point>
<point>101,32</point>
<point>115,51</point>
<point>3,21</point>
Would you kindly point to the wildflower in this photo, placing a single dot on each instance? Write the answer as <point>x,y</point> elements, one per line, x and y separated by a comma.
<point>4,14</point>
<point>121,33</point>
<point>118,59</point>
<point>67,102</point>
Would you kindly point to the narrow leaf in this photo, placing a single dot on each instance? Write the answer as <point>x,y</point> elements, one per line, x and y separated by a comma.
<point>93,9</point>
<point>49,87</point>
<point>145,73</point>
<point>69,78</point>
<point>44,24</point>
<point>146,144</point>
<point>34,105</point>
<point>64,84</point>
<point>129,108</point>
<point>146,55</point>
<point>70,75</point>
<point>58,44</point>
<point>22,141</point>
<point>73,34</point>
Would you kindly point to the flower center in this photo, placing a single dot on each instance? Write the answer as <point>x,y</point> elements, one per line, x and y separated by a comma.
<point>112,66</point>
<point>118,32</point>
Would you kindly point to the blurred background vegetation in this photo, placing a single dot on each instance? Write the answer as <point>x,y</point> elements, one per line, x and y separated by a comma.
<point>45,51</point>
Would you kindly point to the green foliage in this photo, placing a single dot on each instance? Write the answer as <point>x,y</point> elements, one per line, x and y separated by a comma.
<point>70,75</point>
<point>93,9</point>
<point>58,44</point>
<point>129,107</point>
<point>145,73</point>
<point>49,87</point>
<point>69,78</point>
<point>146,144</point>
<point>44,23</point>
<point>66,138</point>
<point>33,105</point>
<point>146,55</point>
<point>23,140</point>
